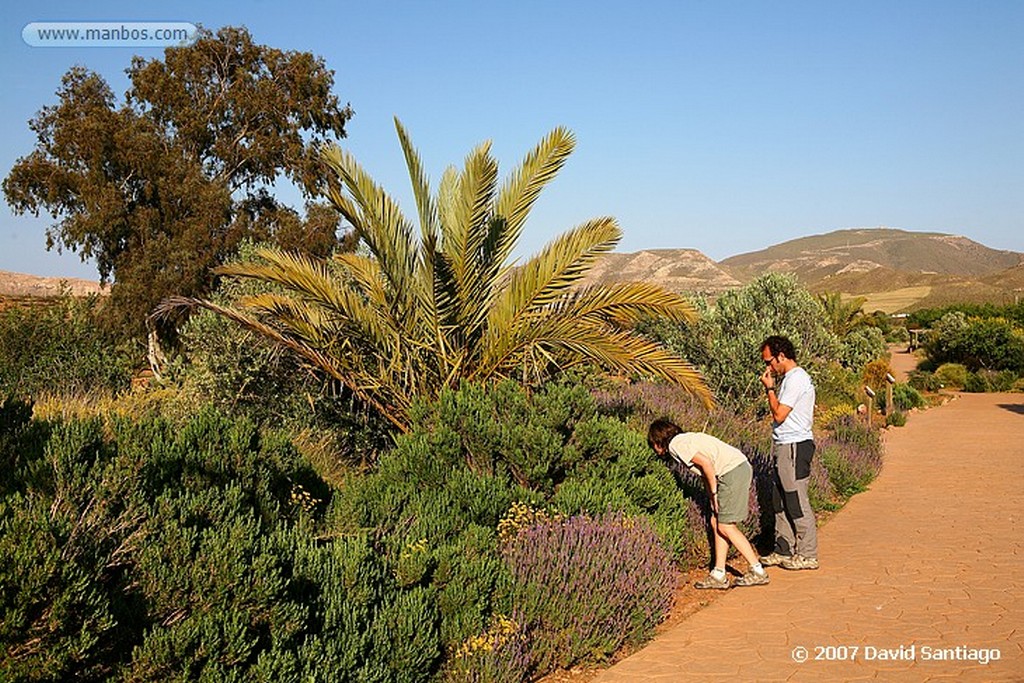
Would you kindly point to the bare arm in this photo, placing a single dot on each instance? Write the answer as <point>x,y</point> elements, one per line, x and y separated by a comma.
<point>778,410</point>
<point>707,468</point>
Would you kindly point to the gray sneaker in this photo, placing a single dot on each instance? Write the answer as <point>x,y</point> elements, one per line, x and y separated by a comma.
<point>713,583</point>
<point>752,578</point>
<point>799,562</point>
<point>774,560</point>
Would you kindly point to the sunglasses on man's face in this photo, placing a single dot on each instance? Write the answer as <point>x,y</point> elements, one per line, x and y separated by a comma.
<point>769,361</point>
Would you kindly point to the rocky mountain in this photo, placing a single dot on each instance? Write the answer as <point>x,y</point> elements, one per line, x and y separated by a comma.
<point>681,270</point>
<point>862,250</point>
<point>20,287</point>
<point>895,270</point>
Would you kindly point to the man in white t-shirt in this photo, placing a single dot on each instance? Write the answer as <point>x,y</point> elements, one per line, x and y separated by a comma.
<point>792,407</point>
<point>727,474</point>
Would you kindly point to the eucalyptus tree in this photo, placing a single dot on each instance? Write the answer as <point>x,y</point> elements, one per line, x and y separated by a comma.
<point>163,184</point>
<point>420,308</point>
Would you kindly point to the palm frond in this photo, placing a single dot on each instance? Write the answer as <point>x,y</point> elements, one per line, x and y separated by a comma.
<point>521,189</point>
<point>420,187</point>
<point>550,273</point>
<point>311,281</point>
<point>362,385</point>
<point>465,237</point>
<point>382,226</point>
<point>567,341</point>
<point>624,304</point>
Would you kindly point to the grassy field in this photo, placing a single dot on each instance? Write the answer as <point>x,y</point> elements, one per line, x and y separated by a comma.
<point>894,301</point>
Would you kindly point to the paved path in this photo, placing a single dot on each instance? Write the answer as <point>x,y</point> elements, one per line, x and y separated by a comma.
<point>932,556</point>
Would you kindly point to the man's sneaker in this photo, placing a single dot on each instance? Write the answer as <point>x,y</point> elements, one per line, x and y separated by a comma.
<point>798,562</point>
<point>711,582</point>
<point>774,560</point>
<point>752,578</point>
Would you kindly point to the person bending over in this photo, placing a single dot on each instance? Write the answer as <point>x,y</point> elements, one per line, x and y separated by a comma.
<point>727,475</point>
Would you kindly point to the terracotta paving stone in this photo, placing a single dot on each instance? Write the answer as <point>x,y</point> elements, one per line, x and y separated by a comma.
<point>929,557</point>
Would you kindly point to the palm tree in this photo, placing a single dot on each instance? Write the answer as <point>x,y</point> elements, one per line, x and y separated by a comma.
<point>842,316</point>
<point>408,315</point>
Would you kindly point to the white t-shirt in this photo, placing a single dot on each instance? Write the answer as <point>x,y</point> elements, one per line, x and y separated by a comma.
<point>796,391</point>
<point>723,457</point>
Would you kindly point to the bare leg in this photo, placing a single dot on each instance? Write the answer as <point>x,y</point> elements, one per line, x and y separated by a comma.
<point>730,533</point>
<point>721,543</point>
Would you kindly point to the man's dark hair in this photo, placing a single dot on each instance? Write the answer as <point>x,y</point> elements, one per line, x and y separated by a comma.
<point>661,432</point>
<point>777,344</point>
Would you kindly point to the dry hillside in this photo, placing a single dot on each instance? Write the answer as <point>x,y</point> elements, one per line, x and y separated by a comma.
<point>681,270</point>
<point>23,288</point>
<point>895,270</point>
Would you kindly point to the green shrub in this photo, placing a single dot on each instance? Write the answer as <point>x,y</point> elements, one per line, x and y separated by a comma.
<point>245,375</point>
<point>990,380</point>
<point>999,381</point>
<point>149,551</point>
<point>977,342</point>
<point>436,517</point>
<point>724,341</point>
<point>924,381</point>
<point>860,346</point>
<point>897,418</point>
<point>906,397</point>
<point>898,334</point>
<point>977,383</point>
<point>953,375</point>
<point>835,384</point>
<point>621,474</point>
<point>64,537</point>
<point>502,430</point>
<point>60,348</point>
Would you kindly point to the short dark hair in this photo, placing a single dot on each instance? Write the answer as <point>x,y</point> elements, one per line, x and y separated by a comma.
<point>661,432</point>
<point>778,344</point>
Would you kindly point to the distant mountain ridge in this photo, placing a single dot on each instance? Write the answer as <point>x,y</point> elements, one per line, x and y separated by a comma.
<point>895,270</point>
<point>681,270</point>
<point>865,249</point>
<point>18,285</point>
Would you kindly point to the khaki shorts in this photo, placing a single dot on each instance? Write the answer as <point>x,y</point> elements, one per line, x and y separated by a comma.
<point>734,494</point>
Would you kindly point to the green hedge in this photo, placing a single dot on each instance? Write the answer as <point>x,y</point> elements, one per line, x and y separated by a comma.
<point>149,551</point>
<point>61,347</point>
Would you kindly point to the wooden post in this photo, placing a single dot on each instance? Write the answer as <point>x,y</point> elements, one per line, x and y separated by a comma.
<point>869,392</point>
<point>889,382</point>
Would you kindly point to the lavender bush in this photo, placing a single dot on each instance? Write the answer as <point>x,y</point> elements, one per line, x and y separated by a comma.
<point>640,403</point>
<point>499,655</point>
<point>821,490</point>
<point>585,586</point>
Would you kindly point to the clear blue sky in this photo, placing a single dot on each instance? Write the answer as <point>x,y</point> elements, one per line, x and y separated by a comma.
<point>719,126</point>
